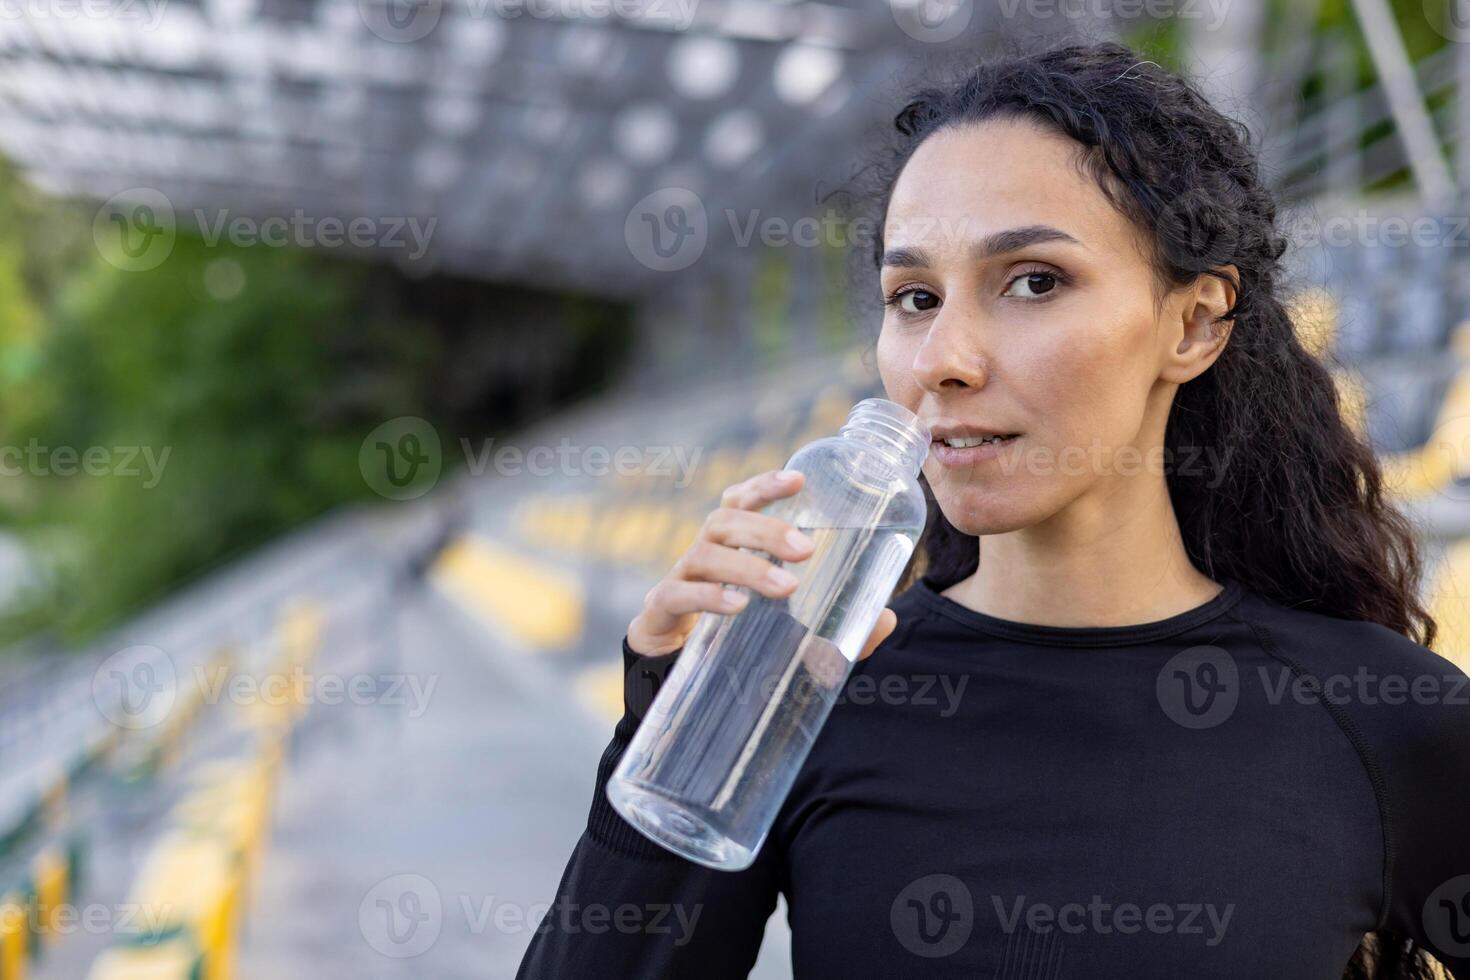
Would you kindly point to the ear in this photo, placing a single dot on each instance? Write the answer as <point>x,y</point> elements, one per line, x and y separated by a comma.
<point>1198,335</point>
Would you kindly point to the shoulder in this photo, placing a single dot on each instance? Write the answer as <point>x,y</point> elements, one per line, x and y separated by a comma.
<point>1324,646</point>
<point>1405,707</point>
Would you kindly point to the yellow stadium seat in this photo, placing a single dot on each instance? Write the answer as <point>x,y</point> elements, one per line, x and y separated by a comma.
<point>1449,604</point>
<point>539,606</point>
<point>14,936</point>
<point>51,874</point>
<point>1445,455</point>
<point>1314,313</point>
<point>175,959</point>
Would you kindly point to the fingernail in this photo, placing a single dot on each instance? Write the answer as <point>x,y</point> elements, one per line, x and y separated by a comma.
<point>798,540</point>
<point>787,474</point>
<point>734,598</point>
<point>780,578</point>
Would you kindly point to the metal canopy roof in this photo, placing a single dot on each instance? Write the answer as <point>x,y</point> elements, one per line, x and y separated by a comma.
<point>525,130</point>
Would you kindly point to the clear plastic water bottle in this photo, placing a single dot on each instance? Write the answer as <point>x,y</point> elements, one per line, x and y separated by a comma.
<point>719,748</point>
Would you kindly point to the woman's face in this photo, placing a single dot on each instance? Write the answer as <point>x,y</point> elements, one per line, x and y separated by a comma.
<point>1021,304</point>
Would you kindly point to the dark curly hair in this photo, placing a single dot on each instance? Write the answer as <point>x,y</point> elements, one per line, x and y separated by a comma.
<point>1299,513</point>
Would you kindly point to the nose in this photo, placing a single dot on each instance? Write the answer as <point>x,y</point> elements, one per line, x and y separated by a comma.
<point>951,356</point>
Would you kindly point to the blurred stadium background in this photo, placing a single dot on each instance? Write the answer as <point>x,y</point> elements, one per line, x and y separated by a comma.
<point>365,361</point>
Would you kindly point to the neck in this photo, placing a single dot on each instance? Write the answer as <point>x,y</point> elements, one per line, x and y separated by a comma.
<point>1113,557</point>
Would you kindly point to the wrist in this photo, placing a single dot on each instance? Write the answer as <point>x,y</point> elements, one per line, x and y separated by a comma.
<point>643,676</point>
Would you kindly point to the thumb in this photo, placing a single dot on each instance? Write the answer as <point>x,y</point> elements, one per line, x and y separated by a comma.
<point>887,621</point>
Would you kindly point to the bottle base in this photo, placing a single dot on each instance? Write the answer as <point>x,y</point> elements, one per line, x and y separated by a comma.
<point>678,827</point>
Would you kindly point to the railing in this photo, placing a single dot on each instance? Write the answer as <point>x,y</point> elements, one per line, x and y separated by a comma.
<point>1343,142</point>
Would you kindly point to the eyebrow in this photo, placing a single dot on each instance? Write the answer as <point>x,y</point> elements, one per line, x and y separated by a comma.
<point>999,243</point>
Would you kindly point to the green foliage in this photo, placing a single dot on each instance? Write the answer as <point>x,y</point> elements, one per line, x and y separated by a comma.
<point>216,419</point>
<point>772,301</point>
<point>1420,35</point>
<point>1158,40</point>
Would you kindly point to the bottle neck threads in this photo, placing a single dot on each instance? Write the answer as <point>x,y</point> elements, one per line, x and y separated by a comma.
<point>891,429</point>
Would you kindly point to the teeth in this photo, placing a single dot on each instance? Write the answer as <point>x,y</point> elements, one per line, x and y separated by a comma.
<point>969,441</point>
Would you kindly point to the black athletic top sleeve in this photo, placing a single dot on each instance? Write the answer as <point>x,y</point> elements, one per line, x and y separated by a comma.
<point>1240,791</point>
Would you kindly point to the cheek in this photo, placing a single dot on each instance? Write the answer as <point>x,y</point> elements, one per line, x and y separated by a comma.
<point>1099,377</point>
<point>896,369</point>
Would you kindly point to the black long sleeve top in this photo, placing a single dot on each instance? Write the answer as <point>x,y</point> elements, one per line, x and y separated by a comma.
<point>1240,791</point>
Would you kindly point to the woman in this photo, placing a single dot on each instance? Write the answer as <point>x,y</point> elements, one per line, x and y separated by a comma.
<point>1166,618</point>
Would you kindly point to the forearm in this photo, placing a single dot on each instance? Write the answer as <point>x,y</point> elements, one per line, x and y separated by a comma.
<point>626,907</point>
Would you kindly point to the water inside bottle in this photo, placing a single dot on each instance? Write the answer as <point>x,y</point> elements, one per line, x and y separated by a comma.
<point>765,680</point>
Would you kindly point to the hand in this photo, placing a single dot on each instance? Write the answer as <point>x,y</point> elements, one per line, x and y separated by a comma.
<point>696,583</point>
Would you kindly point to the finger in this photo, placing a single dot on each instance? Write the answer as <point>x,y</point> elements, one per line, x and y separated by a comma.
<point>672,599</point>
<point>761,489</point>
<point>737,528</point>
<point>706,561</point>
<point>887,621</point>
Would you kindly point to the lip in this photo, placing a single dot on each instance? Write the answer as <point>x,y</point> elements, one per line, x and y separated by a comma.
<point>970,455</point>
<point>939,431</point>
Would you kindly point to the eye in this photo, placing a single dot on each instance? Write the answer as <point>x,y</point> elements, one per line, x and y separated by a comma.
<point>1032,285</point>
<point>914,300</point>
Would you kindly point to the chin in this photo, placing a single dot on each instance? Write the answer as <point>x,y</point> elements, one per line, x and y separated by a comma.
<point>975,511</point>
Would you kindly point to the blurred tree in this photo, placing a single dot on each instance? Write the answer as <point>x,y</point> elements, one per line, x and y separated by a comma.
<point>154,424</point>
<point>223,397</point>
